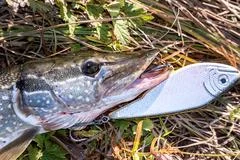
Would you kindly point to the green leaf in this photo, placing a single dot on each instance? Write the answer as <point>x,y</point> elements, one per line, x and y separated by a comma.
<point>63,9</point>
<point>49,150</point>
<point>147,125</point>
<point>66,15</point>
<point>34,153</point>
<point>1,32</point>
<point>166,130</point>
<point>132,10</point>
<point>118,46</point>
<point>90,133</point>
<point>146,18</point>
<point>94,10</point>
<point>122,125</point>
<point>63,132</point>
<point>75,47</point>
<point>53,152</point>
<point>94,39</point>
<point>114,8</point>
<point>102,32</point>
<point>39,6</point>
<point>134,129</point>
<point>136,156</point>
<point>40,139</point>
<point>79,30</point>
<point>122,3</point>
<point>77,6</point>
<point>121,31</point>
<point>148,139</point>
<point>235,114</point>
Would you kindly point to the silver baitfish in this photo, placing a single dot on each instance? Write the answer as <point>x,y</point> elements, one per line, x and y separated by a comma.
<point>57,93</point>
<point>188,88</point>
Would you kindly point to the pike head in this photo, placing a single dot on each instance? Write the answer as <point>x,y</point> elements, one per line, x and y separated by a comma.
<point>61,92</point>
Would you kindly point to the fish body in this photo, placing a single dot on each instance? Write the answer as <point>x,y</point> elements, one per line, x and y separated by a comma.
<point>13,130</point>
<point>56,93</point>
<point>188,88</point>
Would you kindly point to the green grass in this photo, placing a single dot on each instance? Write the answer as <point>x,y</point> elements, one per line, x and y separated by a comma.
<point>185,32</point>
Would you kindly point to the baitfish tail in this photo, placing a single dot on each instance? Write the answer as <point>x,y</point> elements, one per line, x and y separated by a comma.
<point>15,135</point>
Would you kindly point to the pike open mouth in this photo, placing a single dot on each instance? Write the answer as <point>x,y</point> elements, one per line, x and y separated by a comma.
<point>154,70</point>
<point>151,77</point>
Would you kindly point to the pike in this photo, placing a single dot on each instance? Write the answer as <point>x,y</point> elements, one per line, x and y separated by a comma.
<point>57,93</point>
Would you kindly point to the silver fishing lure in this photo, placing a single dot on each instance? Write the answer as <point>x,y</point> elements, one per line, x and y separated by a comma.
<point>188,88</point>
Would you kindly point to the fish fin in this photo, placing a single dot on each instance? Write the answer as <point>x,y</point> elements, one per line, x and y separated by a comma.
<point>88,118</point>
<point>18,145</point>
<point>68,120</point>
<point>59,121</point>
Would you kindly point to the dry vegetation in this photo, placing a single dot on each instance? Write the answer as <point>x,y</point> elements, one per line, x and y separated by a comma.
<point>186,31</point>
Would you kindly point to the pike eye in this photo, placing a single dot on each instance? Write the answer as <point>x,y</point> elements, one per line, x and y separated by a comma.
<point>90,68</point>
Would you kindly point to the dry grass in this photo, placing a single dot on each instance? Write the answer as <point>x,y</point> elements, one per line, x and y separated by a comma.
<point>186,32</point>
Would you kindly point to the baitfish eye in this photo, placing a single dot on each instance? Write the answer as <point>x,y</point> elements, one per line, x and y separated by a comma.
<point>90,68</point>
<point>223,79</point>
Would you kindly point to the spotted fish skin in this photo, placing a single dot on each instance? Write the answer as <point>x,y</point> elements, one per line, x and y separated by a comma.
<point>12,128</point>
<point>9,122</point>
<point>8,77</point>
<point>57,93</point>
